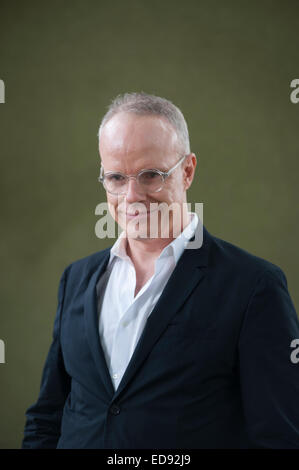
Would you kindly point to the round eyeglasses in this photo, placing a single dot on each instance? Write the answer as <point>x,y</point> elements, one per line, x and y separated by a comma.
<point>149,180</point>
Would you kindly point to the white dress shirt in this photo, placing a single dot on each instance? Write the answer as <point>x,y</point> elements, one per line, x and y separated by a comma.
<point>122,316</point>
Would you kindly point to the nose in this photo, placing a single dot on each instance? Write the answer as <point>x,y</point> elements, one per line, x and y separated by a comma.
<point>134,193</point>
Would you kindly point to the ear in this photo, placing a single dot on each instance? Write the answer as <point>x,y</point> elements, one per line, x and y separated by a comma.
<point>189,170</point>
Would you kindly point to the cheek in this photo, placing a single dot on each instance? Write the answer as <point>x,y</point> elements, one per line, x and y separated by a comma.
<point>112,206</point>
<point>173,192</point>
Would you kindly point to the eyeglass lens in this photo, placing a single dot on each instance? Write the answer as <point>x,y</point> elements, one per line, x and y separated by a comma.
<point>148,180</point>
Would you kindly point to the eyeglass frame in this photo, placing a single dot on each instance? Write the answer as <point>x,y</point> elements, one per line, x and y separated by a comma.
<point>164,175</point>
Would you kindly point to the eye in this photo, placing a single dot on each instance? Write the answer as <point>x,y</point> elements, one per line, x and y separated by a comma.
<point>147,176</point>
<point>115,177</point>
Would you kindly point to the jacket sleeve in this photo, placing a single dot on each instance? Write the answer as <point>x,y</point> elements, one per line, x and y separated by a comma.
<point>269,378</point>
<point>43,418</point>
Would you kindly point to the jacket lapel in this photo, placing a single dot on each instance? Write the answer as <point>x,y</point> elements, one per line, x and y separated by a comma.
<point>92,325</point>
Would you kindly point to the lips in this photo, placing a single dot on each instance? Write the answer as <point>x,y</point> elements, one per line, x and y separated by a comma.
<point>139,214</point>
<point>136,214</point>
<point>132,213</point>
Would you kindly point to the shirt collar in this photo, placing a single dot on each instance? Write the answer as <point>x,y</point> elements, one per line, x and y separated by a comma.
<point>175,248</point>
<point>178,244</point>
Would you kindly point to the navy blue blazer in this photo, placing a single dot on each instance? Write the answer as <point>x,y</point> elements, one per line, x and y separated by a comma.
<point>212,368</point>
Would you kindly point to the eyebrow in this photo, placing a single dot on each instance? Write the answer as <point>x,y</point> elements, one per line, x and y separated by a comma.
<point>142,169</point>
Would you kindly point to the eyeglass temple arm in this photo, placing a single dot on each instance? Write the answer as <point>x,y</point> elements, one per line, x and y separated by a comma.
<point>100,178</point>
<point>175,166</point>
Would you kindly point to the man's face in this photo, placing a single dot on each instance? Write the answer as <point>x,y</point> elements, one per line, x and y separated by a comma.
<point>130,143</point>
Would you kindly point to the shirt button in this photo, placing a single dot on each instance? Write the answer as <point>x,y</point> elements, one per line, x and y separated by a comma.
<point>115,376</point>
<point>125,323</point>
<point>114,409</point>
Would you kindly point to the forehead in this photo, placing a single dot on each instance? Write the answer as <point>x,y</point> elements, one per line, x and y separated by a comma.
<point>127,134</point>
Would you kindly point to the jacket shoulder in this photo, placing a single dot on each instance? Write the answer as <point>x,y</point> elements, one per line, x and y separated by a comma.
<point>85,267</point>
<point>237,259</point>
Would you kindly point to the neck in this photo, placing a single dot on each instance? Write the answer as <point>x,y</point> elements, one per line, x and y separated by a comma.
<point>146,250</point>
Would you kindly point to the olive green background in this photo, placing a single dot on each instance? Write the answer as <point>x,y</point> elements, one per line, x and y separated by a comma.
<point>227,64</point>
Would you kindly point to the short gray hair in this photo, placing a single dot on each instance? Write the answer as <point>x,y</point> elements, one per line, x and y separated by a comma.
<point>145,104</point>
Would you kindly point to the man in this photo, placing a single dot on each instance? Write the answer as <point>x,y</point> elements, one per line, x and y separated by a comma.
<point>158,344</point>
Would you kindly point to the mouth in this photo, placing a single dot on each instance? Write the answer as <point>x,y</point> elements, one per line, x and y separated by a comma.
<point>137,214</point>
